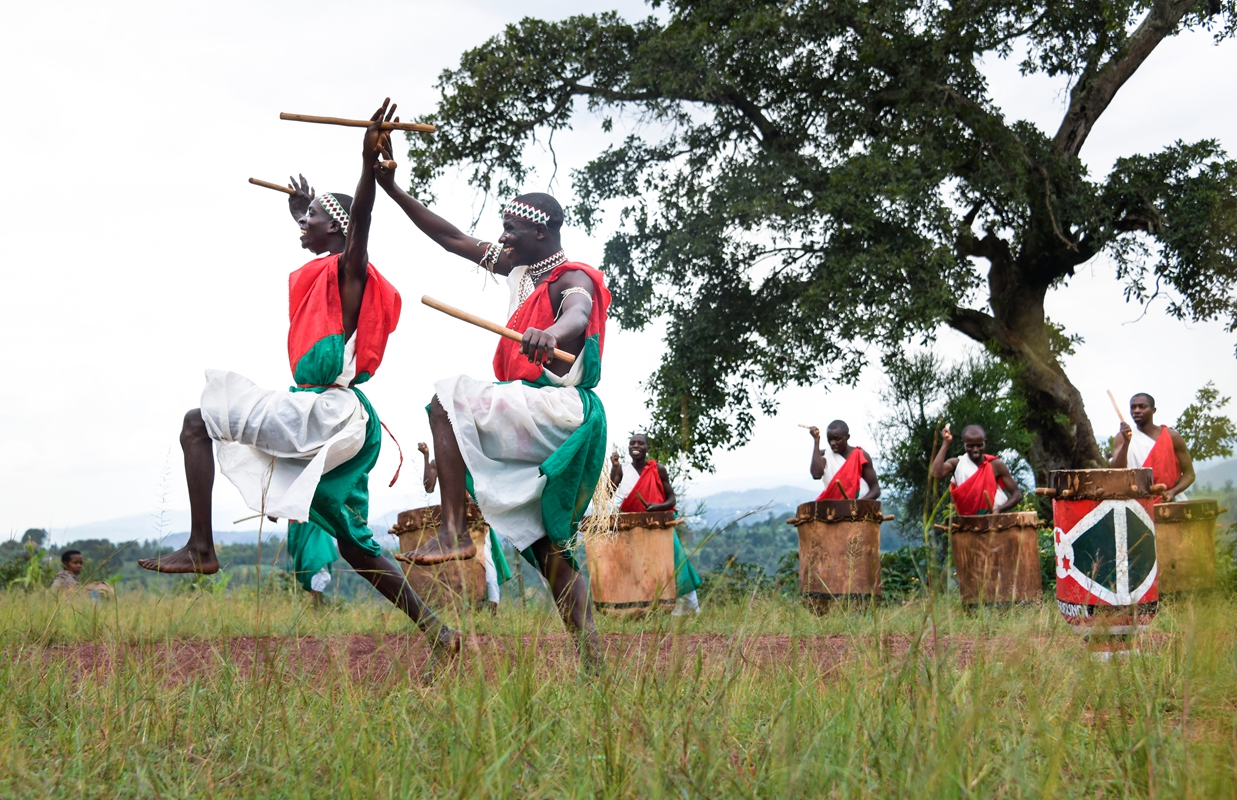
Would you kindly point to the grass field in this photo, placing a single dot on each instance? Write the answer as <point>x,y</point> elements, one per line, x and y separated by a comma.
<point>241,696</point>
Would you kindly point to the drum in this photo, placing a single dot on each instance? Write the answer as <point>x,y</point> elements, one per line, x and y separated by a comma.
<point>1185,545</point>
<point>996,557</point>
<point>631,569</point>
<point>454,583</point>
<point>1105,548</point>
<point>839,551</point>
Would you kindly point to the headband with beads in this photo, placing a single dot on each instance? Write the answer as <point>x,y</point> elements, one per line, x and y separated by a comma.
<point>518,209</point>
<point>332,206</point>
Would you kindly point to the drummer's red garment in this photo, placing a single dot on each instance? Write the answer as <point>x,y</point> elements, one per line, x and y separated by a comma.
<point>849,474</point>
<point>1165,468</point>
<point>969,497</point>
<point>649,487</point>
<point>538,312</point>
<point>316,333</point>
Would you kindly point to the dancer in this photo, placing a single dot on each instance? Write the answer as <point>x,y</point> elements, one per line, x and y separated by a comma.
<point>842,464</point>
<point>982,484</point>
<point>530,448</point>
<point>497,570</point>
<point>646,487</point>
<point>1156,446</point>
<point>306,453</point>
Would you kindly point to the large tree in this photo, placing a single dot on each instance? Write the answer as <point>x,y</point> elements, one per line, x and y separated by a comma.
<point>805,179</point>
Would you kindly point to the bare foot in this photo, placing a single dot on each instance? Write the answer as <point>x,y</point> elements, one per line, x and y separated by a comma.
<point>443,653</point>
<point>183,560</point>
<point>442,548</point>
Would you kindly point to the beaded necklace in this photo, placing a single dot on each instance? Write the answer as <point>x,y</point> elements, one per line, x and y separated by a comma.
<point>533,273</point>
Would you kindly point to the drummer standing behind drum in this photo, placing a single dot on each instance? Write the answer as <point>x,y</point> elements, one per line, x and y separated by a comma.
<point>646,487</point>
<point>1156,446</point>
<point>982,484</point>
<point>842,464</point>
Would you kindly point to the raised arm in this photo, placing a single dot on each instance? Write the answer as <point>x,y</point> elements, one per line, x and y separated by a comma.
<point>1187,467</point>
<point>940,467</point>
<point>1005,479</point>
<point>448,237</point>
<point>354,263</point>
<point>818,458</point>
<point>616,469</point>
<point>1121,447</point>
<point>429,469</point>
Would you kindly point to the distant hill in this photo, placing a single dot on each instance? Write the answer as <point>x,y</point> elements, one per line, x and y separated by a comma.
<point>1217,474</point>
<point>722,508</point>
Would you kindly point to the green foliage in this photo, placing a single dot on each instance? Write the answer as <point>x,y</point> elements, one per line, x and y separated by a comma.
<point>734,581</point>
<point>904,572</point>
<point>1207,432</point>
<point>923,394</point>
<point>35,536</point>
<point>800,182</point>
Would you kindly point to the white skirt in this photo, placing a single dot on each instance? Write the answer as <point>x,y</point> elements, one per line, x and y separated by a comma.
<point>274,446</point>
<point>505,431</point>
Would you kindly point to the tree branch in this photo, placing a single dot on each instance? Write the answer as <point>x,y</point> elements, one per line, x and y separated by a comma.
<point>1099,84</point>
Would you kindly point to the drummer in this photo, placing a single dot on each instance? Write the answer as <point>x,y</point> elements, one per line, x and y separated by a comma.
<point>1156,446</point>
<point>982,484</point>
<point>646,487</point>
<point>846,470</point>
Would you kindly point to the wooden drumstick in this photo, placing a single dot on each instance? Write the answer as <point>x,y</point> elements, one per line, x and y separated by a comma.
<point>492,327</point>
<point>843,491</point>
<point>269,185</point>
<point>419,127</point>
<point>1116,407</point>
<point>988,500</point>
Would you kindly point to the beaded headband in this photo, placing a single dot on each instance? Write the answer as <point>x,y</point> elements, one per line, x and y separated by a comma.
<point>517,209</point>
<point>332,206</point>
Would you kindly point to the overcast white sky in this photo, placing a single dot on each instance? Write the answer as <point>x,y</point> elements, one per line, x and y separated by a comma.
<point>139,256</point>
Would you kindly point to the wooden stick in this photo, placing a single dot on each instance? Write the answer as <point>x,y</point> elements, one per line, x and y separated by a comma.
<point>419,127</point>
<point>245,519</point>
<point>643,502</point>
<point>843,491</point>
<point>270,185</point>
<point>808,427</point>
<point>988,500</point>
<point>1116,407</point>
<point>492,327</point>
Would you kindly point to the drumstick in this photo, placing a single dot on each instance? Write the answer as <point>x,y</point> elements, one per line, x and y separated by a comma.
<point>245,519</point>
<point>643,502</point>
<point>492,327</point>
<point>1116,407</point>
<point>270,185</point>
<point>419,127</point>
<point>843,491</point>
<point>988,500</point>
<point>809,427</point>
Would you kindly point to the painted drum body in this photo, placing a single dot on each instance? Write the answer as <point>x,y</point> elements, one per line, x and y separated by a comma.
<point>631,570</point>
<point>454,583</point>
<point>1185,542</point>
<point>996,557</point>
<point>1104,538</point>
<point>839,550</point>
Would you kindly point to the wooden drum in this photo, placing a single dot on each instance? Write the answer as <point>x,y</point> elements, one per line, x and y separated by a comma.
<point>839,550</point>
<point>1185,545</point>
<point>1105,548</point>
<point>631,569</point>
<point>452,583</point>
<point>996,557</point>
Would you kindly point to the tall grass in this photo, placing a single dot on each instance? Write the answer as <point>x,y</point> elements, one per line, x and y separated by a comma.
<point>871,703</point>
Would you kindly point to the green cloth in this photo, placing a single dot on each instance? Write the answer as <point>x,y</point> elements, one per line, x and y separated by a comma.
<point>310,550</point>
<point>501,567</point>
<point>686,579</point>
<point>341,502</point>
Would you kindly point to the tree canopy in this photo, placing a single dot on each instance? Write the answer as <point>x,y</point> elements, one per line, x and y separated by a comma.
<point>807,179</point>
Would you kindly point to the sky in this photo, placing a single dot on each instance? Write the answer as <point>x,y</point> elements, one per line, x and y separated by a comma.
<point>139,255</point>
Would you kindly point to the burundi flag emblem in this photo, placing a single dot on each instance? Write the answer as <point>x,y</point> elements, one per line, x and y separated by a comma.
<point>1105,553</point>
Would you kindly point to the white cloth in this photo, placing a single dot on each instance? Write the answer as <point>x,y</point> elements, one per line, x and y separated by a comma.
<point>1139,450</point>
<point>833,463</point>
<point>631,476</point>
<point>274,446</point>
<point>492,592</point>
<point>320,580</point>
<point>505,431</point>
<point>686,605</point>
<point>967,468</point>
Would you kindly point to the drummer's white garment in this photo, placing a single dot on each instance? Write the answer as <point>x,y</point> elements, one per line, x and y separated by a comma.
<point>833,463</point>
<point>631,476</point>
<point>505,431</point>
<point>1139,449</point>
<point>274,446</point>
<point>491,572</point>
<point>320,580</point>
<point>966,468</point>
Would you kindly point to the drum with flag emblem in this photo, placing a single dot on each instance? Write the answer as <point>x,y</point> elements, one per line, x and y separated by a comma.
<point>1105,548</point>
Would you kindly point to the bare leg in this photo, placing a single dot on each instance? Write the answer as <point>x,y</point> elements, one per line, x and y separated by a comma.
<point>452,541</point>
<point>571,595</point>
<point>444,640</point>
<point>198,554</point>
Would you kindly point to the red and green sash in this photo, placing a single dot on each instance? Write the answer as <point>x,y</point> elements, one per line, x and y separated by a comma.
<point>316,333</point>
<point>1165,468</point>
<point>969,497</point>
<point>849,475</point>
<point>648,487</point>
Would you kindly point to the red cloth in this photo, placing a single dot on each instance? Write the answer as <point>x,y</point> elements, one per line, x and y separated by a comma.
<point>315,313</point>
<point>849,474</point>
<point>969,497</point>
<point>1165,468</point>
<point>650,488</point>
<point>538,312</point>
